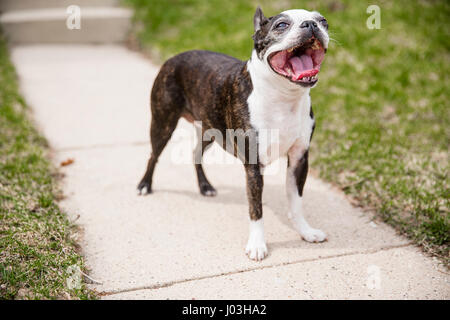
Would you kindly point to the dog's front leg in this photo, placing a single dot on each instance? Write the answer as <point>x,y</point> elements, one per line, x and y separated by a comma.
<point>295,180</point>
<point>256,248</point>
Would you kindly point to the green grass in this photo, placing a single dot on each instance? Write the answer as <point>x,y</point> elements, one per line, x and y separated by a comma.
<point>383,126</point>
<point>35,236</point>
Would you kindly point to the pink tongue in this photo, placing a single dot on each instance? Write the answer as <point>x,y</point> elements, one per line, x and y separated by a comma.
<point>302,64</point>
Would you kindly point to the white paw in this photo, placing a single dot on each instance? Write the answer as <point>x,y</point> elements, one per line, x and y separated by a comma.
<point>313,235</point>
<point>256,250</point>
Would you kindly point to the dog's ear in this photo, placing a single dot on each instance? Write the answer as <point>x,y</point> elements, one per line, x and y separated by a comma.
<point>259,19</point>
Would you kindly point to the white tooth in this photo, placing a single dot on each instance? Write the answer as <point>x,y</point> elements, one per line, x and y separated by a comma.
<point>315,45</point>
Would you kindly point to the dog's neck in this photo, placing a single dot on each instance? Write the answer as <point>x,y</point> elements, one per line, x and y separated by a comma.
<point>273,87</point>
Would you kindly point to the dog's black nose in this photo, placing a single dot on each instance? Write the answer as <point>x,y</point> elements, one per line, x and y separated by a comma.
<point>310,24</point>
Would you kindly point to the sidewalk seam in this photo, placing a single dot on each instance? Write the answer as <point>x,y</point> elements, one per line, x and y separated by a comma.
<point>101,146</point>
<point>175,282</point>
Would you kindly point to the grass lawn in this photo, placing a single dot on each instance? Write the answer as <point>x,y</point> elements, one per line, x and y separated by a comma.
<point>383,117</point>
<point>36,248</point>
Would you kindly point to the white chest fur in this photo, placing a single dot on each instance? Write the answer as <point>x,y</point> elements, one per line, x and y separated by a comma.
<point>280,112</point>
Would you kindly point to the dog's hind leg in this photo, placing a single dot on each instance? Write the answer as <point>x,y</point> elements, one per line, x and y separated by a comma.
<point>160,134</point>
<point>166,111</point>
<point>205,187</point>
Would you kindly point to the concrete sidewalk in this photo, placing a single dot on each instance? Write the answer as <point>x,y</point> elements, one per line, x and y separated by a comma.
<point>92,104</point>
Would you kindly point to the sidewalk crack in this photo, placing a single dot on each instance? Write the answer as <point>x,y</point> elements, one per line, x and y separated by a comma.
<point>212,276</point>
<point>105,145</point>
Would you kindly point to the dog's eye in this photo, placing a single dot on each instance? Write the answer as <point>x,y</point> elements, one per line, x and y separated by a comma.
<point>282,25</point>
<point>324,22</point>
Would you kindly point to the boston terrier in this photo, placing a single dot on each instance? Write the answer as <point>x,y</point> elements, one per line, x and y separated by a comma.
<point>269,91</point>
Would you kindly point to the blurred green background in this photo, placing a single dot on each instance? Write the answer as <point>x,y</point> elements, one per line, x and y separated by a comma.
<point>381,103</point>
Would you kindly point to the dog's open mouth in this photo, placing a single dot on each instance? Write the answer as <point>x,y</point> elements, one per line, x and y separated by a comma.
<point>301,63</point>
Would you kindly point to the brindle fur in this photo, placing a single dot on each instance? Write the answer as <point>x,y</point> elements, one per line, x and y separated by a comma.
<point>217,97</point>
<point>301,167</point>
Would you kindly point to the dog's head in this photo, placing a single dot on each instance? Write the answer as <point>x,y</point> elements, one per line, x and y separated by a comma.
<point>292,44</point>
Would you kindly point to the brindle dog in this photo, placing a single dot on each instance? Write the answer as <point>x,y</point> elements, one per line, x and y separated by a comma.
<point>269,91</point>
